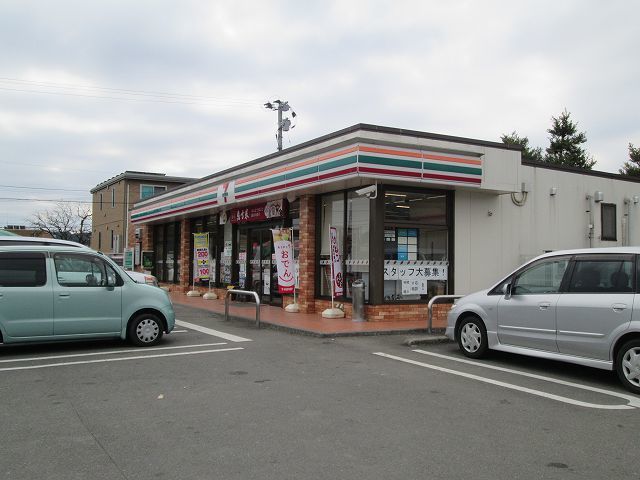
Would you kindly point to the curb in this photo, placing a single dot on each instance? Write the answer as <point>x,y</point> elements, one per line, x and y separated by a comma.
<point>426,340</point>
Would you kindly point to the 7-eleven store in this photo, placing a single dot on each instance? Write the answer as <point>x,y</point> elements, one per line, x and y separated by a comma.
<point>407,241</point>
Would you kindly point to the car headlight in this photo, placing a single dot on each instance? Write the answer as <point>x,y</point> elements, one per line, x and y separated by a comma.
<point>151,280</point>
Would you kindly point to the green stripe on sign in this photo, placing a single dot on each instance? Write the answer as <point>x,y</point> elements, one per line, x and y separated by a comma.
<point>452,168</point>
<point>171,206</point>
<point>390,162</point>
<point>338,163</point>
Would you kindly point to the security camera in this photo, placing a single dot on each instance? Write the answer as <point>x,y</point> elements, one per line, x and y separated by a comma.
<point>369,192</point>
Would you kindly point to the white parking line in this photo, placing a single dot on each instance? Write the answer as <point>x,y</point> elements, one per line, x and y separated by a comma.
<point>120,359</point>
<point>109,352</point>
<point>178,331</point>
<point>633,401</point>
<point>215,333</point>
<point>511,386</point>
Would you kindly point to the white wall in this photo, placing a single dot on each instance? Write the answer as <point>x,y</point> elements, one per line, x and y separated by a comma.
<point>493,235</point>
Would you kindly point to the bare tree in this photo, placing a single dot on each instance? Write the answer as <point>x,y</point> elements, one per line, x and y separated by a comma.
<point>66,221</point>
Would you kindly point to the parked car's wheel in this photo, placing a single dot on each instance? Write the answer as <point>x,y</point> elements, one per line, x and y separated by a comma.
<point>628,365</point>
<point>145,330</point>
<point>472,337</point>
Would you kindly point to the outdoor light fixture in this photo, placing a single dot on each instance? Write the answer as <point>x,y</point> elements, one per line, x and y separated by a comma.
<point>553,192</point>
<point>598,196</point>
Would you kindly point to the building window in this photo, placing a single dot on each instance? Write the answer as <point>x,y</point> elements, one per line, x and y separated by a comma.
<point>349,214</point>
<point>113,197</point>
<point>100,201</point>
<point>99,240</point>
<point>147,191</point>
<point>416,238</point>
<point>609,221</point>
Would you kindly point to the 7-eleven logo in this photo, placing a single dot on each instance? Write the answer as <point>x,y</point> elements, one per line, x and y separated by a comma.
<point>227,193</point>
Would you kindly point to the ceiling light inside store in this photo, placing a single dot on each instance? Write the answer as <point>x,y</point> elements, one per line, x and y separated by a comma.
<point>402,206</point>
<point>394,195</point>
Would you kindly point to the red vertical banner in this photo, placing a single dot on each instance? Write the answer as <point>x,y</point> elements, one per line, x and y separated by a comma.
<point>283,247</point>
<point>336,264</point>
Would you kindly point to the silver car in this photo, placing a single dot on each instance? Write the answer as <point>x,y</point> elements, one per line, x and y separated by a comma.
<point>577,306</point>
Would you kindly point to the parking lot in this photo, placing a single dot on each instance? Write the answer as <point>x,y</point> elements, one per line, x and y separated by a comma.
<point>224,400</point>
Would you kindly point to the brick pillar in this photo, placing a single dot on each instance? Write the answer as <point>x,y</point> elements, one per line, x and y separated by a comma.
<point>185,255</point>
<point>307,256</point>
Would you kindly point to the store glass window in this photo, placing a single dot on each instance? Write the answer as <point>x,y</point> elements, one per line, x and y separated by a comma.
<point>357,242</point>
<point>166,239</point>
<point>416,238</point>
<point>348,213</point>
<point>331,215</point>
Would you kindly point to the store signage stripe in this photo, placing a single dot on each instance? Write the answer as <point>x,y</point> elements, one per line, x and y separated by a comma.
<point>338,163</point>
<point>388,151</point>
<point>289,168</point>
<point>386,171</point>
<point>283,178</point>
<point>207,190</point>
<point>419,154</point>
<point>439,167</point>
<point>451,178</point>
<point>390,162</point>
<point>172,212</point>
<point>430,156</point>
<point>176,205</point>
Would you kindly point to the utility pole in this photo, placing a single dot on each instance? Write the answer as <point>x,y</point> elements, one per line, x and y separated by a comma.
<point>284,125</point>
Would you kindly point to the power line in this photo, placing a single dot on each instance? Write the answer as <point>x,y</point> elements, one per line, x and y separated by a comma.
<point>129,91</point>
<point>49,165</point>
<point>43,188</point>
<point>51,200</point>
<point>102,97</point>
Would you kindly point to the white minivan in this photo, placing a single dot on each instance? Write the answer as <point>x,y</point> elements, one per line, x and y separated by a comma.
<point>60,292</point>
<point>578,306</point>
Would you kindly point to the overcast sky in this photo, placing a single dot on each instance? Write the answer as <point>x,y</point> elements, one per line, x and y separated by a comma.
<point>89,89</point>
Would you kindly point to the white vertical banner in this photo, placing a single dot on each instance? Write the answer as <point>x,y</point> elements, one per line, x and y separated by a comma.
<point>201,256</point>
<point>284,259</point>
<point>336,263</point>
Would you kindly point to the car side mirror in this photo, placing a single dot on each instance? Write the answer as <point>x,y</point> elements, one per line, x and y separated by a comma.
<point>507,291</point>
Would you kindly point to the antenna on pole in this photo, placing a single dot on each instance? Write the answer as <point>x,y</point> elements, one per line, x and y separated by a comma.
<point>284,125</point>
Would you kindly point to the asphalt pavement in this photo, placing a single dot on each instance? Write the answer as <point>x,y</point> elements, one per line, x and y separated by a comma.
<point>225,400</point>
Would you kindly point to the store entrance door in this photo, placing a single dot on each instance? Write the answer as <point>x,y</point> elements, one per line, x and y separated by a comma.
<point>263,273</point>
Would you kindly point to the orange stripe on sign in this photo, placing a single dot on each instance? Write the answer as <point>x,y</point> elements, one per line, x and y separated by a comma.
<point>388,151</point>
<point>277,170</point>
<point>337,154</point>
<point>288,168</point>
<point>452,159</point>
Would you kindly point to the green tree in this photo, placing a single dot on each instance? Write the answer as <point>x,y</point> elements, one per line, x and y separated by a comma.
<point>565,144</point>
<point>528,153</point>
<point>632,167</point>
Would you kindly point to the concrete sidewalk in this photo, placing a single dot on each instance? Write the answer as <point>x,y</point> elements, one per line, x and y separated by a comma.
<point>303,323</point>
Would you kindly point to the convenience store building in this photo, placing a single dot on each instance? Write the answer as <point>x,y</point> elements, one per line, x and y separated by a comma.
<point>443,215</point>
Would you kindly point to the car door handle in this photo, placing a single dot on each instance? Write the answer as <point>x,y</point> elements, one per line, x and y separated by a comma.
<point>64,295</point>
<point>619,307</point>
<point>544,305</point>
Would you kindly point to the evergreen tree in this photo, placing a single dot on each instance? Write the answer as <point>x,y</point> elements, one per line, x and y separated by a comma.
<point>564,144</point>
<point>528,153</point>
<point>632,167</point>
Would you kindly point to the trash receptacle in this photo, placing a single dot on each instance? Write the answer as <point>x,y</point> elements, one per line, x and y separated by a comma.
<point>357,291</point>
